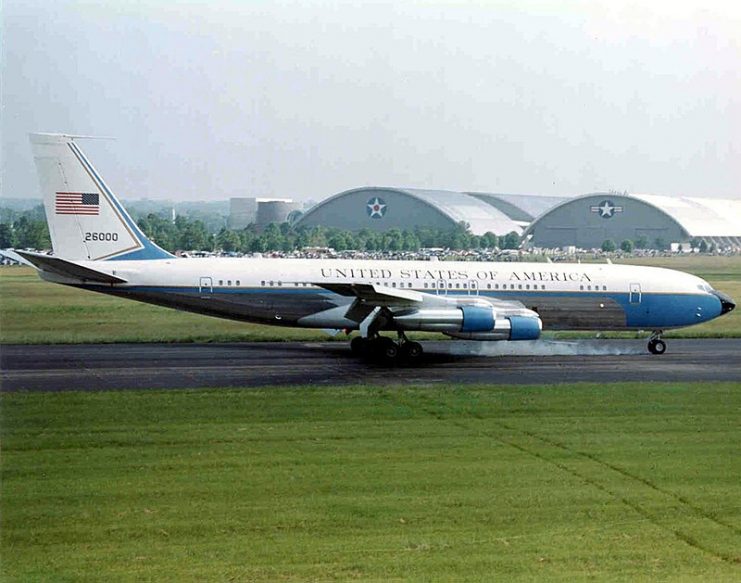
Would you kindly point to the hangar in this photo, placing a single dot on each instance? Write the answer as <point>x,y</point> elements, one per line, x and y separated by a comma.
<point>384,208</point>
<point>587,221</point>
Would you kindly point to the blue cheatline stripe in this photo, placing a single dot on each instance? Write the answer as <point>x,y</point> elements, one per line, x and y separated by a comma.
<point>655,311</point>
<point>149,250</point>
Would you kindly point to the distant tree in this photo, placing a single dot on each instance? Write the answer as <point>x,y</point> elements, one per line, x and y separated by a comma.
<point>641,242</point>
<point>608,246</point>
<point>31,233</point>
<point>695,242</point>
<point>6,236</point>
<point>228,241</point>
<point>195,236</point>
<point>703,246</point>
<point>627,246</point>
<point>510,241</point>
<point>489,240</point>
<point>660,244</point>
<point>410,241</point>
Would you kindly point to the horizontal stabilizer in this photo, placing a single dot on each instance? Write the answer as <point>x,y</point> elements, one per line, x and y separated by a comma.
<point>13,256</point>
<point>69,269</point>
<point>374,294</point>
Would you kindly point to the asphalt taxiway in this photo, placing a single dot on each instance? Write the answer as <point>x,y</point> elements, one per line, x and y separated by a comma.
<point>179,366</point>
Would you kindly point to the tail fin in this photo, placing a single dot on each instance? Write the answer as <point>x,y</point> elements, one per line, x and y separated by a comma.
<point>86,221</point>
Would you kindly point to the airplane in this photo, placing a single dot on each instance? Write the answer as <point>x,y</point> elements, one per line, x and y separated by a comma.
<point>98,247</point>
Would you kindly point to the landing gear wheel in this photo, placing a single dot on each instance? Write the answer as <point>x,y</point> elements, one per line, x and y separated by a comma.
<point>386,349</point>
<point>359,345</point>
<point>412,351</point>
<point>656,346</point>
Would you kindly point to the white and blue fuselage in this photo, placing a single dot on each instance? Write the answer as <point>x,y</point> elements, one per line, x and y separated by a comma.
<point>97,246</point>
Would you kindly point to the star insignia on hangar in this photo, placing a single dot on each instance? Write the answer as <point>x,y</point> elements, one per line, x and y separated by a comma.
<point>606,209</point>
<point>376,208</point>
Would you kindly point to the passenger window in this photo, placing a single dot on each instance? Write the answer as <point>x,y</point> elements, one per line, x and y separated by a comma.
<point>527,286</point>
<point>221,282</point>
<point>237,282</point>
<point>262,283</point>
<point>465,286</point>
<point>488,286</point>
<point>393,284</point>
<point>229,282</point>
<point>581,287</point>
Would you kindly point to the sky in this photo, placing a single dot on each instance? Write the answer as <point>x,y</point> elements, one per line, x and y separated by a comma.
<point>209,100</point>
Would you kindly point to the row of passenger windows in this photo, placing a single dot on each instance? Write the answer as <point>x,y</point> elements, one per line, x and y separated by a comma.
<point>440,285</point>
<point>280,284</point>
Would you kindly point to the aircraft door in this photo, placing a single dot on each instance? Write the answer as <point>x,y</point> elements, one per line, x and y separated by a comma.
<point>442,288</point>
<point>206,286</point>
<point>635,293</point>
<point>473,287</point>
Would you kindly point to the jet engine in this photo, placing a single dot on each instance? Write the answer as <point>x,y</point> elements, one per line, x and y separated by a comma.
<point>473,322</point>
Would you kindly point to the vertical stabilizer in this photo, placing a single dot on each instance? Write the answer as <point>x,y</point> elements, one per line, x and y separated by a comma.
<point>86,221</point>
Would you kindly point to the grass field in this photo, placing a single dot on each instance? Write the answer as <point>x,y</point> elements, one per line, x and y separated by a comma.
<point>612,482</point>
<point>33,312</point>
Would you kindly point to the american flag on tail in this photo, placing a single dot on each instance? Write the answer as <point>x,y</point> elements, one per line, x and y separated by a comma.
<point>77,203</point>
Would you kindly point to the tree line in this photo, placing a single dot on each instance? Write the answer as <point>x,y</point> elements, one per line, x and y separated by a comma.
<point>192,235</point>
<point>29,229</point>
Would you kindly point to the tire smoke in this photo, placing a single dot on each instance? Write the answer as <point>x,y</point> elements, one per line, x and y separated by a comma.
<point>548,348</point>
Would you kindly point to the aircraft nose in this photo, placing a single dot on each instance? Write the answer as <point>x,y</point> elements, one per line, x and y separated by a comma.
<point>726,303</point>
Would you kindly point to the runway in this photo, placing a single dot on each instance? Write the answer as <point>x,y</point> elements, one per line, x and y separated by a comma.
<point>89,367</point>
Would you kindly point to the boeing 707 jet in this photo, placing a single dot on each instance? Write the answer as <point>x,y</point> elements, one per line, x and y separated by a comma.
<point>98,247</point>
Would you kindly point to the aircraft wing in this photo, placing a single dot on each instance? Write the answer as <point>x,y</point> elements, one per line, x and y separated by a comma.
<point>376,295</point>
<point>65,268</point>
<point>369,298</point>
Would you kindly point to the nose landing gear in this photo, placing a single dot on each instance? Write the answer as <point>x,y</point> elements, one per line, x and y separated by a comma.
<point>655,344</point>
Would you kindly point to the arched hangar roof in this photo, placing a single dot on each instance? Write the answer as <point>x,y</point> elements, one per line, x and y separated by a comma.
<point>520,207</point>
<point>384,208</point>
<point>700,217</point>
<point>588,220</point>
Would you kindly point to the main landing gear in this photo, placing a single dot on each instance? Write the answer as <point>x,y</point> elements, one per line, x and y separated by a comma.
<point>385,349</point>
<point>655,344</point>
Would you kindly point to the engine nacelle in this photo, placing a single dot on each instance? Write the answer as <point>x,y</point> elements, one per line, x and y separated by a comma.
<point>471,322</point>
<point>509,328</point>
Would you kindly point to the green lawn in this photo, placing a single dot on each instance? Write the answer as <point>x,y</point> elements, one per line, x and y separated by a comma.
<point>611,482</point>
<point>33,311</point>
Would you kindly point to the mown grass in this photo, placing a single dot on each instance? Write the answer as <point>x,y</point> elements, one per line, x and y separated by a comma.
<point>609,482</point>
<point>33,311</point>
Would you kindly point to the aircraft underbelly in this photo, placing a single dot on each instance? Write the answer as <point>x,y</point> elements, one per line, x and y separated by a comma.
<point>578,313</point>
<point>273,308</point>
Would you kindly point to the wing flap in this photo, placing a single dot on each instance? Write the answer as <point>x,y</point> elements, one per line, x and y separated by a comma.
<point>69,269</point>
<point>376,295</point>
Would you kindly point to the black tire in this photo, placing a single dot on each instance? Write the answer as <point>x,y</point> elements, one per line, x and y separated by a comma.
<point>657,347</point>
<point>412,351</point>
<point>359,346</point>
<point>386,349</point>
